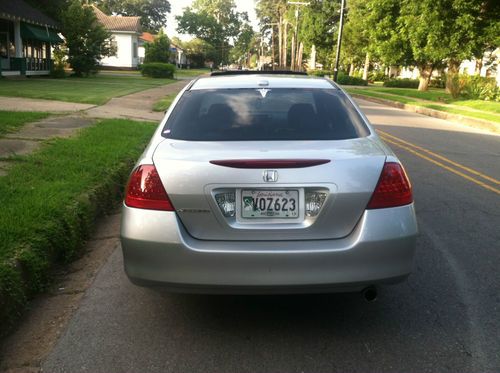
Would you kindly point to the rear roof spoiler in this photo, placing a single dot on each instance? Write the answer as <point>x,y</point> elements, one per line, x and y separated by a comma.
<point>257,72</point>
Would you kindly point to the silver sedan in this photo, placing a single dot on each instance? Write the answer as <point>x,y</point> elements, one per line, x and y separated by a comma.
<point>267,183</point>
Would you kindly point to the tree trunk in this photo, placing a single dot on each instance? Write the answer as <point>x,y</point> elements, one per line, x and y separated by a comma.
<point>425,76</point>
<point>299,56</point>
<point>351,69</point>
<point>312,64</point>
<point>285,47</point>
<point>280,38</point>
<point>451,78</point>
<point>479,65</point>
<point>367,66</point>
<point>292,57</point>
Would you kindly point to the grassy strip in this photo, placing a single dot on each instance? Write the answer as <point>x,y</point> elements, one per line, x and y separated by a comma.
<point>10,121</point>
<point>437,95</point>
<point>164,103</point>
<point>50,200</point>
<point>405,100</point>
<point>440,96</point>
<point>190,73</point>
<point>92,90</point>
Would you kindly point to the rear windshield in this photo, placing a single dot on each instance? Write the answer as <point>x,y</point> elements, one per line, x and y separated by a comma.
<point>264,114</point>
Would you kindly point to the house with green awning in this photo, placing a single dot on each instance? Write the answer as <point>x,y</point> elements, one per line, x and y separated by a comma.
<point>26,39</point>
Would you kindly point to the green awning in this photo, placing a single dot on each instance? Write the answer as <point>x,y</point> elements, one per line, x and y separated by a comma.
<point>32,32</point>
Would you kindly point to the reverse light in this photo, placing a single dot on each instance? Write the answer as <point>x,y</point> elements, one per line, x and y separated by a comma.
<point>145,190</point>
<point>314,202</point>
<point>393,188</point>
<point>227,203</point>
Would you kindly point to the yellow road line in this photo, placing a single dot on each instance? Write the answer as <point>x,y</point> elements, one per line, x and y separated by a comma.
<point>478,182</point>
<point>472,171</point>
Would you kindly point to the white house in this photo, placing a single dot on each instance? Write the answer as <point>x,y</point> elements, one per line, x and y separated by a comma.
<point>125,33</point>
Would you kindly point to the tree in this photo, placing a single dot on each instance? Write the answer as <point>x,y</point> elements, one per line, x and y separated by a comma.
<point>273,13</point>
<point>86,39</point>
<point>153,13</point>
<point>244,45</point>
<point>199,51</point>
<point>319,26</point>
<point>158,50</point>
<point>214,21</point>
<point>52,8</point>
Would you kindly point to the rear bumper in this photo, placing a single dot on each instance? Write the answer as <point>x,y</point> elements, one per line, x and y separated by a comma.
<point>159,252</point>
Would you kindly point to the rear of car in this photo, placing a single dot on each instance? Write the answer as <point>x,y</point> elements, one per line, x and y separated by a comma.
<point>267,184</point>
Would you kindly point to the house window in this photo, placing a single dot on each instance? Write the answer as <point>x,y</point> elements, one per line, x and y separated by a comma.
<point>135,50</point>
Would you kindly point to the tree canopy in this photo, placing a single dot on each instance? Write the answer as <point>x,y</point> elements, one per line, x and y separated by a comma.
<point>86,39</point>
<point>216,22</point>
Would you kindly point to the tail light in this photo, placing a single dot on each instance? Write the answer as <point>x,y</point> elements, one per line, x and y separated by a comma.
<point>393,188</point>
<point>145,190</point>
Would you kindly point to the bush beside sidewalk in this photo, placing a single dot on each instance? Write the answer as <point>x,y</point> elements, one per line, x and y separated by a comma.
<point>50,200</point>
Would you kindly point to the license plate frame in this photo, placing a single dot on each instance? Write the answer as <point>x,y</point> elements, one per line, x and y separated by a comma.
<point>284,204</point>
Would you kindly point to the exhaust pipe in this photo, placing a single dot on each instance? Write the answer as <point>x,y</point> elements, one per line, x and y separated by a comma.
<point>370,294</point>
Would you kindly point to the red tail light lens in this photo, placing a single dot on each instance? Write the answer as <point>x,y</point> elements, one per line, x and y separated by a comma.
<point>145,190</point>
<point>393,188</point>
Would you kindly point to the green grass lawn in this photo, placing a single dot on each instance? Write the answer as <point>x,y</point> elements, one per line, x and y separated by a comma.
<point>489,110</point>
<point>188,73</point>
<point>440,96</point>
<point>10,121</point>
<point>92,90</point>
<point>164,103</point>
<point>50,199</point>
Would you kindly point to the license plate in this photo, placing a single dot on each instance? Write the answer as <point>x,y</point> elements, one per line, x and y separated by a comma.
<point>277,204</point>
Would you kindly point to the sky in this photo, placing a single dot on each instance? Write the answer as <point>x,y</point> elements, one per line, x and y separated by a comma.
<point>178,5</point>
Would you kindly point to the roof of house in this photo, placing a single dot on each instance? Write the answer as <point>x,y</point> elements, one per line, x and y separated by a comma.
<point>118,23</point>
<point>147,37</point>
<point>21,10</point>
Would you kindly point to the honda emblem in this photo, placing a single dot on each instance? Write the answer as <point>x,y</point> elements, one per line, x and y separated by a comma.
<point>270,176</point>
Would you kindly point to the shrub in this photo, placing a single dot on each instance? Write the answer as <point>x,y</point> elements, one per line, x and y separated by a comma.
<point>377,76</point>
<point>402,83</point>
<point>438,81</point>
<point>158,70</point>
<point>350,80</point>
<point>158,50</point>
<point>320,73</point>
<point>479,88</point>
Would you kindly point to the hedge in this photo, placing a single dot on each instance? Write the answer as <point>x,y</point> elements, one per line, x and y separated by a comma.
<point>342,78</point>
<point>402,83</point>
<point>50,200</point>
<point>158,70</point>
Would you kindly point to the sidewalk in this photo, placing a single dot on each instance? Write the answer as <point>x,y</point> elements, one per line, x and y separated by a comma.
<point>31,104</point>
<point>138,105</point>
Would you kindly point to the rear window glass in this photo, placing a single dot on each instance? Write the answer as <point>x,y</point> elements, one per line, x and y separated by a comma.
<point>264,114</point>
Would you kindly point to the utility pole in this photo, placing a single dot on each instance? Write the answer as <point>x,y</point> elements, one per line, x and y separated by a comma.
<point>295,46</point>
<point>339,41</point>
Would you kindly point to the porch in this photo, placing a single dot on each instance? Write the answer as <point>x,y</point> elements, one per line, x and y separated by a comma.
<point>25,49</point>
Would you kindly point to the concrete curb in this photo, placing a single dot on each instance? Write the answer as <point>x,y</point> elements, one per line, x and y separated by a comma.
<point>471,122</point>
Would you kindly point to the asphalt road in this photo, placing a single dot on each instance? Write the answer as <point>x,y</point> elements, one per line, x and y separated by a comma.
<point>446,318</point>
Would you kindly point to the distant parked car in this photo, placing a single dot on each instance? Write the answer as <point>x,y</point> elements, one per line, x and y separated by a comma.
<point>267,183</point>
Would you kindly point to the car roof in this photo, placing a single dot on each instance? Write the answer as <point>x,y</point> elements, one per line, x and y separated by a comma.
<point>261,81</point>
